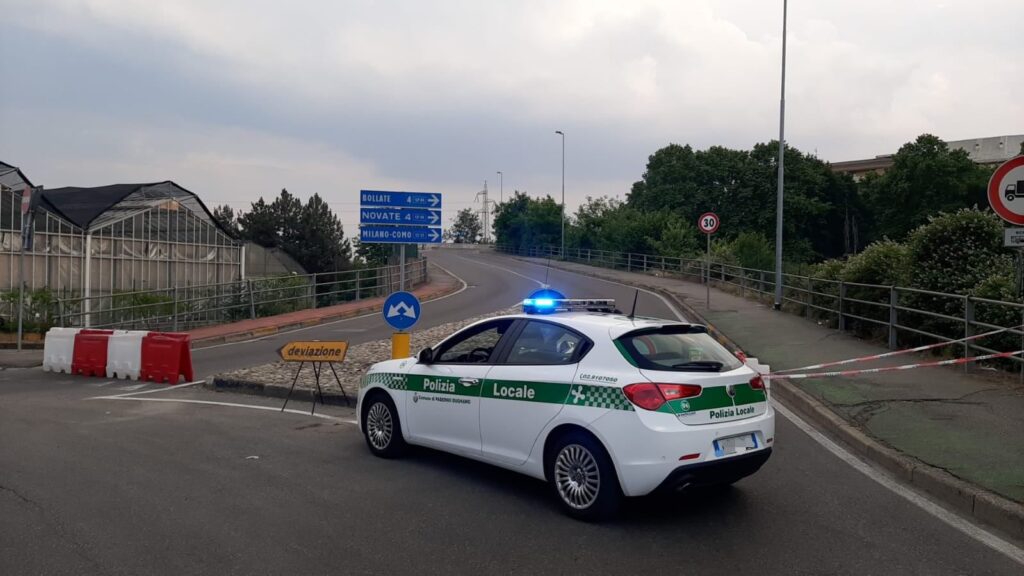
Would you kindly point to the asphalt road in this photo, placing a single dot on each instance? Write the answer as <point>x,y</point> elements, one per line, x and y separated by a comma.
<point>164,483</point>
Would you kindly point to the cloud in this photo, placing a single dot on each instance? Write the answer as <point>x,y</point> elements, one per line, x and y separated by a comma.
<point>440,95</point>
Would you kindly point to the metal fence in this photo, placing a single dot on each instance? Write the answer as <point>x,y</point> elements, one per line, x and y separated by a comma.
<point>899,315</point>
<point>187,307</point>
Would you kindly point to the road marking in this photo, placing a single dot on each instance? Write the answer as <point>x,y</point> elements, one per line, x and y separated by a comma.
<point>966,527</point>
<point>970,529</point>
<point>153,391</point>
<point>333,322</point>
<point>132,387</point>
<point>489,265</point>
<point>229,404</point>
<point>553,269</point>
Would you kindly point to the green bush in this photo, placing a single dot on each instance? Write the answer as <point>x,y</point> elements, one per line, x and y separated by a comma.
<point>885,263</point>
<point>1000,287</point>
<point>953,253</point>
<point>39,310</point>
<point>753,250</point>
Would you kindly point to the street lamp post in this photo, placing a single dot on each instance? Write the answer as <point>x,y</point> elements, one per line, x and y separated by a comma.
<point>782,150</point>
<point>501,187</point>
<point>562,134</point>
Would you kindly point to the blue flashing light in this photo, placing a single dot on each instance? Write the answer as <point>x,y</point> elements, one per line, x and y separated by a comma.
<point>544,302</point>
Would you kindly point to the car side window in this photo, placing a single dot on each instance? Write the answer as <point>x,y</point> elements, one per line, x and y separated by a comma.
<point>545,343</point>
<point>473,345</point>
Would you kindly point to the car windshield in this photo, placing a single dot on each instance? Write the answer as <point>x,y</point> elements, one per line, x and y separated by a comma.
<point>677,348</point>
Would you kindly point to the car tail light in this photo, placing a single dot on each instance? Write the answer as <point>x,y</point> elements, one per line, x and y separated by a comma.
<point>652,395</point>
<point>757,383</point>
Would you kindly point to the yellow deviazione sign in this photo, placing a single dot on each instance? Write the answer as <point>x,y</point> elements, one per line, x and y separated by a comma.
<point>313,351</point>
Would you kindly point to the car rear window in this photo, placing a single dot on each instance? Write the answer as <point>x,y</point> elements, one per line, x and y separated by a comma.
<point>677,349</point>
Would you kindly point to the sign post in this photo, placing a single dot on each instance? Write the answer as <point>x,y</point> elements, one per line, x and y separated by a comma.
<point>316,353</point>
<point>708,224</point>
<point>28,204</point>
<point>401,311</point>
<point>1005,189</point>
<point>401,218</point>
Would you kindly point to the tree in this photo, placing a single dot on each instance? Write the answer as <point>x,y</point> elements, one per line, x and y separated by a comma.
<point>372,254</point>
<point>466,227</point>
<point>926,178</point>
<point>322,246</point>
<point>521,221</point>
<point>225,216</point>
<point>822,209</point>
<point>288,209</point>
<point>260,225</point>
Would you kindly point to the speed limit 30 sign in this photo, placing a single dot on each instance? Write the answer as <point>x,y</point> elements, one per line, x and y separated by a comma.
<point>1006,191</point>
<point>708,222</point>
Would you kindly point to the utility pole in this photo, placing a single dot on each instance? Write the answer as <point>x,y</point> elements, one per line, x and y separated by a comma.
<point>562,134</point>
<point>485,211</point>
<point>501,187</point>
<point>782,151</point>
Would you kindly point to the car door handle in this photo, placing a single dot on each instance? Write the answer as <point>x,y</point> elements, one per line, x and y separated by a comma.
<point>469,381</point>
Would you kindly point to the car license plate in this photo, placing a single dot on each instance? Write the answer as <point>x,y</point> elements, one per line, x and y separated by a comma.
<point>734,444</point>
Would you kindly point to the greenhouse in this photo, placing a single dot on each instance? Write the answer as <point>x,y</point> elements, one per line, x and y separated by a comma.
<point>91,243</point>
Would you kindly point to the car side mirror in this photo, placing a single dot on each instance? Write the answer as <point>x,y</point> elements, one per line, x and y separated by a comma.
<point>426,356</point>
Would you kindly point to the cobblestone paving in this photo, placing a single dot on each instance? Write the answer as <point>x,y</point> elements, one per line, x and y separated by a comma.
<point>357,361</point>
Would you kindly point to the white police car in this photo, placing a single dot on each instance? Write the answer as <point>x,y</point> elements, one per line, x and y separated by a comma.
<point>599,404</point>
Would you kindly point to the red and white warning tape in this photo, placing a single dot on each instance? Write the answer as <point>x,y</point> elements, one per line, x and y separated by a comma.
<point>781,376</point>
<point>901,352</point>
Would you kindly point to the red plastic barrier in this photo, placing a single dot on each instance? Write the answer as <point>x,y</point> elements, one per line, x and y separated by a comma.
<point>90,353</point>
<point>166,357</point>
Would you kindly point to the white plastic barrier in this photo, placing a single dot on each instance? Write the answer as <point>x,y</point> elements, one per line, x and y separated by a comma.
<point>124,354</point>
<point>58,349</point>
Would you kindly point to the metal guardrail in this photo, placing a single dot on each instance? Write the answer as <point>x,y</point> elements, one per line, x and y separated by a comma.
<point>901,315</point>
<point>187,307</point>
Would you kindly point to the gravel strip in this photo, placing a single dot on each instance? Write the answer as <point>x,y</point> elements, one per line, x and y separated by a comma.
<point>270,379</point>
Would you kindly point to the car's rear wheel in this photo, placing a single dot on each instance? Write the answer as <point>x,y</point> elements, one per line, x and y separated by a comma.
<point>382,428</point>
<point>583,477</point>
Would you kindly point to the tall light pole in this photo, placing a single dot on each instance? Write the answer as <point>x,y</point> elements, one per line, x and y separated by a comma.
<point>782,150</point>
<point>562,134</point>
<point>501,187</point>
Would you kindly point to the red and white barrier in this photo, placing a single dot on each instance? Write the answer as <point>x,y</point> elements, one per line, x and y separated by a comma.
<point>154,356</point>
<point>124,354</point>
<point>58,349</point>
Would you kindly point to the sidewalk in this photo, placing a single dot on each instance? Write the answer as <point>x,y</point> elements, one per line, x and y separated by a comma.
<point>439,283</point>
<point>967,424</point>
<point>26,358</point>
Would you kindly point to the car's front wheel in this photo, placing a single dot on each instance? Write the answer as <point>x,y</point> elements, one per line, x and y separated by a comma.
<point>382,428</point>
<point>583,478</point>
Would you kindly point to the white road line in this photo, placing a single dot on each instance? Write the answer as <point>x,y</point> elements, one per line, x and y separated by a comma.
<point>154,391</point>
<point>664,300</point>
<point>231,405</point>
<point>489,265</point>
<point>980,534</point>
<point>251,340</point>
<point>965,526</point>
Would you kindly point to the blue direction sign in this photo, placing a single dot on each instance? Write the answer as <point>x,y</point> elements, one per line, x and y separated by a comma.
<point>407,216</point>
<point>399,235</point>
<point>399,199</point>
<point>401,310</point>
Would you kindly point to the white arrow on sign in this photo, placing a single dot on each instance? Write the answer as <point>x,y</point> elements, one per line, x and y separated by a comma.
<point>434,217</point>
<point>401,309</point>
<point>434,199</point>
<point>433,234</point>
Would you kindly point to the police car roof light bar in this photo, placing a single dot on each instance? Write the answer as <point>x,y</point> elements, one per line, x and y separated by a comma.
<point>547,305</point>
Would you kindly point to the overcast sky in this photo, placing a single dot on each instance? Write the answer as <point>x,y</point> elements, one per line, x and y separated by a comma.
<point>234,99</point>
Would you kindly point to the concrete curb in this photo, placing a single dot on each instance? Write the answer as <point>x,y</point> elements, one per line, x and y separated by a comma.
<point>967,499</point>
<point>331,397</point>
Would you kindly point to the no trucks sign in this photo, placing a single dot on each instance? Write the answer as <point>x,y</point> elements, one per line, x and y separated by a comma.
<point>1006,191</point>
